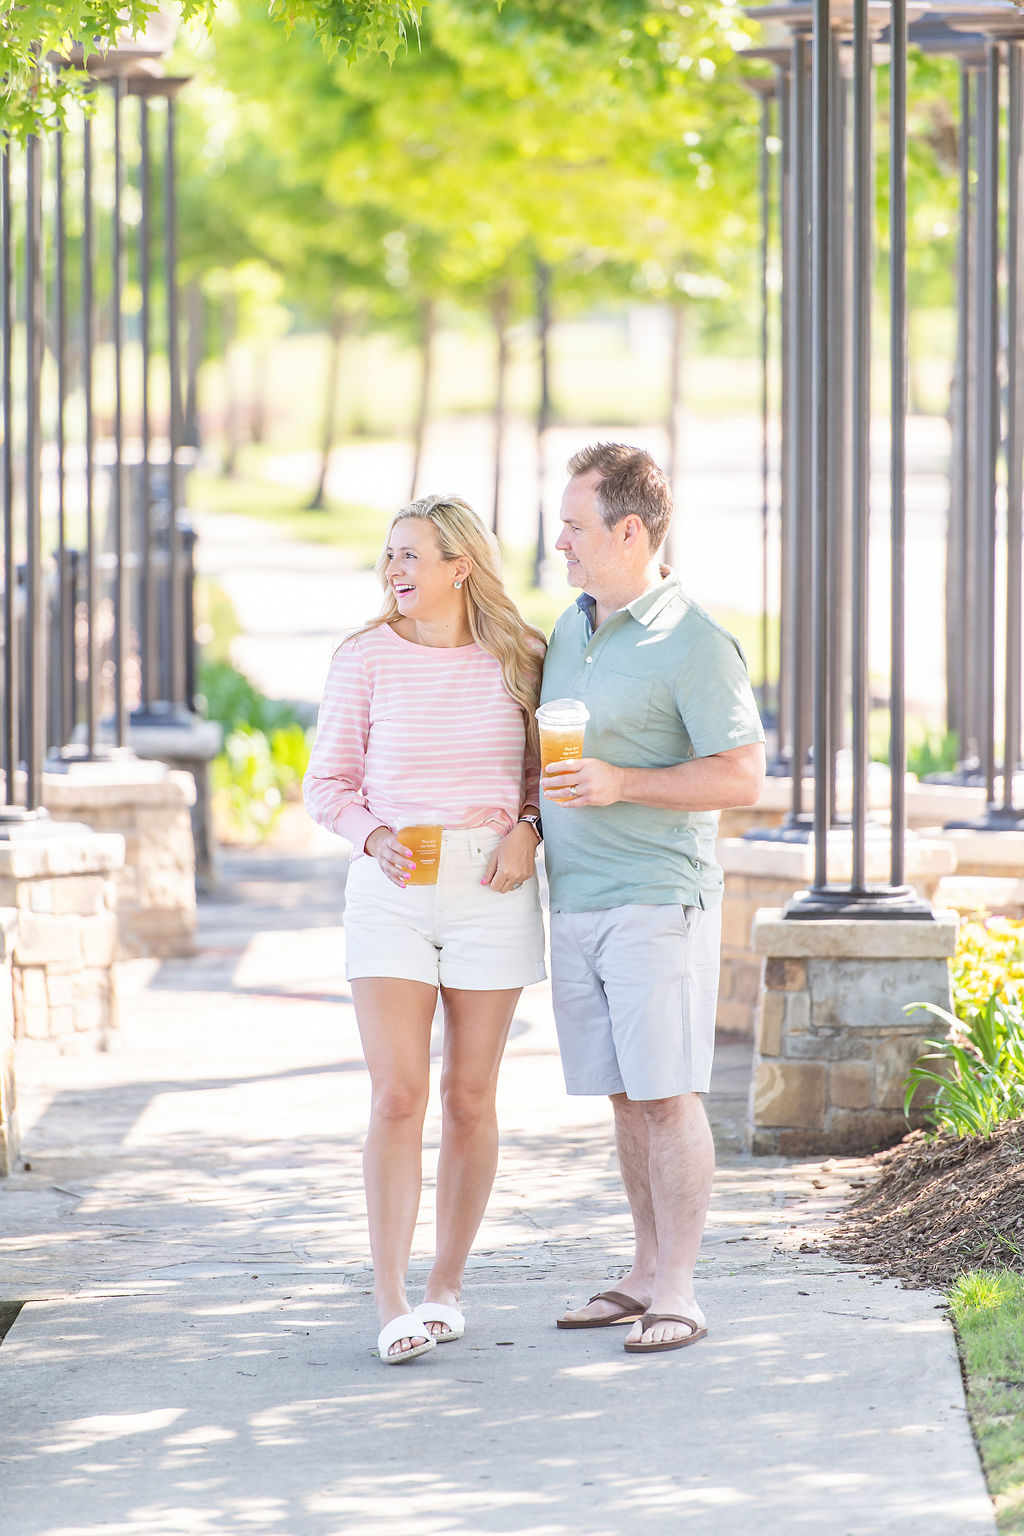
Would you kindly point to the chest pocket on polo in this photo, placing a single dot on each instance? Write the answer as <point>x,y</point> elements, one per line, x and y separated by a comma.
<point>626,705</point>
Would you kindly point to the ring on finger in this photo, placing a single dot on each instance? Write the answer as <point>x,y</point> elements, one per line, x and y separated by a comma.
<point>573,791</point>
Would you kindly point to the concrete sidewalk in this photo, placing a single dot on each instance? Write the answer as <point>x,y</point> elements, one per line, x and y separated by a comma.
<point>197,1349</point>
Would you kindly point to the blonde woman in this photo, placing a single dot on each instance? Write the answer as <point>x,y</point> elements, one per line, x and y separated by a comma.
<point>427,717</point>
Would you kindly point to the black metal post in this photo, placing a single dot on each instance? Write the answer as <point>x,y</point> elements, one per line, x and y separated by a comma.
<point>1015,429</point>
<point>990,416</point>
<point>821,70</point>
<point>860,498</point>
<point>148,622</point>
<point>121,541</point>
<point>35,670</point>
<point>898,424</point>
<point>177,672</point>
<point>800,461</point>
<point>783,700</point>
<point>766,233</point>
<point>64,718</point>
<point>88,332</point>
<point>11,714</point>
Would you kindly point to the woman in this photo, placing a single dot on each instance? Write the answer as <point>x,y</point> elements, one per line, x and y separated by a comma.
<point>427,717</point>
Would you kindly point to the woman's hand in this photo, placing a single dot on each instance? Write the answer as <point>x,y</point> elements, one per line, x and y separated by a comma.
<point>394,858</point>
<point>514,861</point>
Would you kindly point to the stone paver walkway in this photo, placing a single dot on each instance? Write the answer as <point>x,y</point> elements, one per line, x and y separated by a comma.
<point>196,1349</point>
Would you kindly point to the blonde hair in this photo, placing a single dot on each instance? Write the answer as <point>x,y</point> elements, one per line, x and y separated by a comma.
<point>495,622</point>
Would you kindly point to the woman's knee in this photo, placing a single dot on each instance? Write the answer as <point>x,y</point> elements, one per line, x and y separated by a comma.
<point>399,1103</point>
<point>464,1106</point>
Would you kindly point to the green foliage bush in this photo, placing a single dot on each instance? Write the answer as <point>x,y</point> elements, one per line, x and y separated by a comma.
<point>977,1068</point>
<point>266,750</point>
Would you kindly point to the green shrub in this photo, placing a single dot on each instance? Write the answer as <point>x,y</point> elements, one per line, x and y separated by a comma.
<point>978,1069</point>
<point>266,750</point>
<point>929,749</point>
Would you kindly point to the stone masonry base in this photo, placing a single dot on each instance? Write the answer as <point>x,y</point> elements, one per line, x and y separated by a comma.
<point>833,1044</point>
<point>60,883</point>
<point>766,874</point>
<point>8,1105</point>
<point>149,805</point>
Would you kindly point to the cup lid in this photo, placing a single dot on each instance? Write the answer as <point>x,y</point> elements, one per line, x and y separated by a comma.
<point>563,712</point>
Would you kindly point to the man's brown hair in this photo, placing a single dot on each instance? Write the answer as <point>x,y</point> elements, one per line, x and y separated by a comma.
<point>630,482</point>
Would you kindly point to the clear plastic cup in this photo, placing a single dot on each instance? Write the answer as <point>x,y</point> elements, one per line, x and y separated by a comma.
<point>561,723</point>
<point>424,840</point>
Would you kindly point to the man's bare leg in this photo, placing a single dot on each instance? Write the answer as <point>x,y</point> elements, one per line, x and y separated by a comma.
<point>682,1166</point>
<point>632,1141</point>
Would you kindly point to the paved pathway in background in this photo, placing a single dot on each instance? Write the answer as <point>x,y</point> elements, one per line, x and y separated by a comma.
<point>196,1352</point>
<point>294,601</point>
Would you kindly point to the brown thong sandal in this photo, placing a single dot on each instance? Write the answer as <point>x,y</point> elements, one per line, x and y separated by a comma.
<point>651,1320</point>
<point>630,1310</point>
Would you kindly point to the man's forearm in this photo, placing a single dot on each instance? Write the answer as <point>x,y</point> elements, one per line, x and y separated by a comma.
<point>714,783</point>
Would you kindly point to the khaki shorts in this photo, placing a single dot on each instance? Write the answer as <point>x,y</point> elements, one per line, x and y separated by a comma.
<point>457,933</point>
<point>635,991</point>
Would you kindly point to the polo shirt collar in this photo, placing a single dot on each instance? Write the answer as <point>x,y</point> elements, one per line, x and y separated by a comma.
<point>645,608</point>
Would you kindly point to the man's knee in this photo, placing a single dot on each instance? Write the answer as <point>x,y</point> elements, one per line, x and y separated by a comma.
<point>679,1106</point>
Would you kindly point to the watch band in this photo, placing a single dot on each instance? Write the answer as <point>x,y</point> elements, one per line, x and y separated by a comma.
<point>534,821</point>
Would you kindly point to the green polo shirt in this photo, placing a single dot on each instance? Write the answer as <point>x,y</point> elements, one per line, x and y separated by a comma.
<point>663,683</point>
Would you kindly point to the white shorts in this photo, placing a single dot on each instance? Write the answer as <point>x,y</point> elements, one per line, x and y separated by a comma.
<point>635,990</point>
<point>457,933</point>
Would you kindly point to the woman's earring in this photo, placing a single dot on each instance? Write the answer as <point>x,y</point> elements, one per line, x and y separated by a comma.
<point>458,586</point>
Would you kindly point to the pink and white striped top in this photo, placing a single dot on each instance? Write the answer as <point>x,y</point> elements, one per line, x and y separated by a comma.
<point>413,733</point>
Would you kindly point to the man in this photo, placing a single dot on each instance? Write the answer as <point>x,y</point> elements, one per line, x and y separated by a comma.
<point>629,834</point>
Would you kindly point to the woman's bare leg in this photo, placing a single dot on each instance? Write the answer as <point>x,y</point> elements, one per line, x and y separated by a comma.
<point>476,1029</point>
<point>394,1020</point>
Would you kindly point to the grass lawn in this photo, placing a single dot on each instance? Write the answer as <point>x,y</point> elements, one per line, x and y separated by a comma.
<point>988,1310</point>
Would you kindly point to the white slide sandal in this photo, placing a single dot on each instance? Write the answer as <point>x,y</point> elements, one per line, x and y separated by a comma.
<point>437,1312</point>
<point>405,1326</point>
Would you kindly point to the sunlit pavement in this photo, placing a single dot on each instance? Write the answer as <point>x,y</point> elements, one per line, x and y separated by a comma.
<point>197,1349</point>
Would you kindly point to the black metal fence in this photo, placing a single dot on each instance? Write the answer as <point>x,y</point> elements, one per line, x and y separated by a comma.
<point>97,558</point>
<point>825,117</point>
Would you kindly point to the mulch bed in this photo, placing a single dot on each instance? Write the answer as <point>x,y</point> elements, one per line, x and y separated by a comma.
<point>939,1206</point>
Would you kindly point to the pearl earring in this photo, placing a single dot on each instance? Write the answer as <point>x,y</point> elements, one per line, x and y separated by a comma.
<point>458,586</point>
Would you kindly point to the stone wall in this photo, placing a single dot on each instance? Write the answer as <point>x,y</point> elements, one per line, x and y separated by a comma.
<point>149,805</point>
<point>62,883</point>
<point>833,1044</point>
<point>8,1103</point>
<point>767,874</point>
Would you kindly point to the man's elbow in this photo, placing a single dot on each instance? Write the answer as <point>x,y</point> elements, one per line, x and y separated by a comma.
<point>748,780</point>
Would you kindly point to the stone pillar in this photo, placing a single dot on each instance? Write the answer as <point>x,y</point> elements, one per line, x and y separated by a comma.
<point>833,1044</point>
<point>149,805</point>
<point>188,743</point>
<point>62,882</point>
<point>767,874</point>
<point>8,1104</point>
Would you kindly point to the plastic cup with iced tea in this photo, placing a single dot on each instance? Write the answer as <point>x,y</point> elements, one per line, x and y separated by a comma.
<point>423,838</point>
<point>561,723</point>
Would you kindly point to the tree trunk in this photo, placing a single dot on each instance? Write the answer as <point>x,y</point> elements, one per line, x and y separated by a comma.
<point>499,314</point>
<point>674,420</point>
<point>229,311</point>
<point>336,337</point>
<point>193,360</point>
<point>427,321</point>
<point>543,289</point>
<point>258,406</point>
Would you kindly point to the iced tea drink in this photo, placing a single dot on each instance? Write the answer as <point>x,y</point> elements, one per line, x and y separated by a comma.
<point>562,723</point>
<point>424,840</point>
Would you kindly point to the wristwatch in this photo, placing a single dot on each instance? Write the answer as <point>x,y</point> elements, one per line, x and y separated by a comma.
<point>534,821</point>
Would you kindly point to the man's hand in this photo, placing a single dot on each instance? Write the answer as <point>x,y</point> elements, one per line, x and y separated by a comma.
<point>582,781</point>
